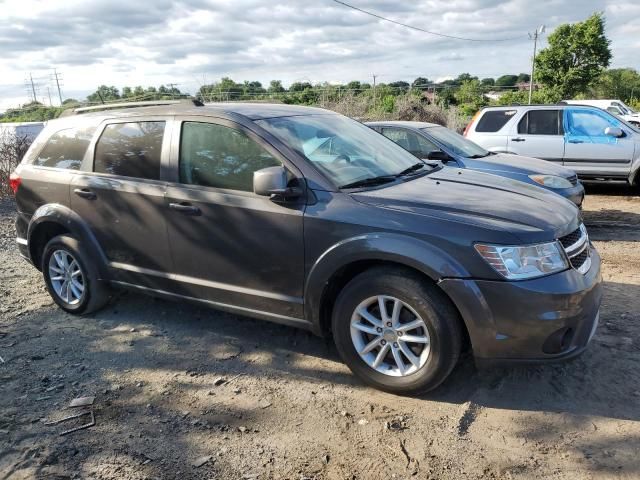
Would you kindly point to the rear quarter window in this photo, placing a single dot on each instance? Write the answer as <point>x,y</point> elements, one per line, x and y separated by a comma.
<point>65,149</point>
<point>494,120</point>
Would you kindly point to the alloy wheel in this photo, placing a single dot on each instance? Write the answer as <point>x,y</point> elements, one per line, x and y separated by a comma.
<point>390,336</point>
<point>67,279</point>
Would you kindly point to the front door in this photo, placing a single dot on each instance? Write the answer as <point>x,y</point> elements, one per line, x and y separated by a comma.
<point>592,153</point>
<point>538,134</point>
<point>121,196</point>
<point>229,245</point>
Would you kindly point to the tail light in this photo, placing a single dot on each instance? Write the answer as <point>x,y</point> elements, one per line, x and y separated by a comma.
<point>14,182</point>
<point>466,130</point>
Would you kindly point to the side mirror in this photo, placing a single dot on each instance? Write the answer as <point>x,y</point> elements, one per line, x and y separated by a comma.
<point>273,181</point>
<point>439,155</point>
<point>614,132</point>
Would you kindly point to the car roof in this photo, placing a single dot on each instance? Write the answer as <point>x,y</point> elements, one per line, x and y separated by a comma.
<point>401,123</point>
<point>253,111</point>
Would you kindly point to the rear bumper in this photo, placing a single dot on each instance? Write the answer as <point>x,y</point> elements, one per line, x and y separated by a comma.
<point>547,319</point>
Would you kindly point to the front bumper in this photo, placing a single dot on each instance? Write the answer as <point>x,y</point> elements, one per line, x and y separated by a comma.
<point>546,319</point>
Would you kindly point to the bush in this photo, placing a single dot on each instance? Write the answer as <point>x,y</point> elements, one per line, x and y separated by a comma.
<point>12,149</point>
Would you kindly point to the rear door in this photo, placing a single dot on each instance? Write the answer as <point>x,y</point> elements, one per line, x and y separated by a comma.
<point>120,195</point>
<point>229,245</point>
<point>589,151</point>
<point>539,134</point>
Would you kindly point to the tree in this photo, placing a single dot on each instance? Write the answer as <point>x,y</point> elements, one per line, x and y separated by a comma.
<point>487,82</point>
<point>300,86</point>
<point>400,87</point>
<point>523,77</point>
<point>576,56</point>
<point>275,86</point>
<point>506,81</point>
<point>469,97</point>
<point>618,83</point>
<point>420,83</point>
<point>104,94</point>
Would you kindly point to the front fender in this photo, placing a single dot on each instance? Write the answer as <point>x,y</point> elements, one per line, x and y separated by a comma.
<point>389,247</point>
<point>69,220</point>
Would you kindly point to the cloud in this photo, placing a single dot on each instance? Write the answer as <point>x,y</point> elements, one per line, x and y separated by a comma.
<point>123,42</point>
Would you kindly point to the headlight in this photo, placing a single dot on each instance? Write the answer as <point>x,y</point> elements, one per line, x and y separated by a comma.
<point>517,263</point>
<point>551,181</point>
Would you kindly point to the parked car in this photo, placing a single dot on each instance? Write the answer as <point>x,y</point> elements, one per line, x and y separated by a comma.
<point>595,144</point>
<point>305,217</point>
<point>435,142</point>
<point>617,107</point>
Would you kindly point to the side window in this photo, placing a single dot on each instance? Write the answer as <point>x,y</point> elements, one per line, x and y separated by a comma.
<point>494,120</point>
<point>130,150</point>
<point>426,146</point>
<point>65,149</point>
<point>587,123</point>
<point>541,122</point>
<point>220,157</point>
<point>614,110</point>
<point>398,135</point>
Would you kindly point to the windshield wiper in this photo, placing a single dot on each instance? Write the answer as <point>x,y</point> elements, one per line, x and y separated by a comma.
<point>367,182</point>
<point>411,169</point>
<point>477,155</point>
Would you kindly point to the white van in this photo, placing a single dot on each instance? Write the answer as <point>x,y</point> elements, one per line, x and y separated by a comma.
<point>594,143</point>
<point>617,107</point>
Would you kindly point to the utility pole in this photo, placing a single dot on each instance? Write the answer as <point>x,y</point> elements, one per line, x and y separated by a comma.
<point>55,73</point>
<point>33,87</point>
<point>539,31</point>
<point>374,91</point>
<point>171,87</point>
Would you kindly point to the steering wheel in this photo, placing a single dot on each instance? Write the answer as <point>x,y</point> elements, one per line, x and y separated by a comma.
<point>341,158</point>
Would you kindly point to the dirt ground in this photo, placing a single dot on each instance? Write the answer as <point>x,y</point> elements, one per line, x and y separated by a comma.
<point>185,392</point>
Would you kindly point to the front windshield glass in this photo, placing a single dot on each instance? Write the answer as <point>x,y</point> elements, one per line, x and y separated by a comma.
<point>456,143</point>
<point>344,149</point>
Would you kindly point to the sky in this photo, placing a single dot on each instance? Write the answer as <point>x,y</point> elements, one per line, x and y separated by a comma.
<point>194,42</point>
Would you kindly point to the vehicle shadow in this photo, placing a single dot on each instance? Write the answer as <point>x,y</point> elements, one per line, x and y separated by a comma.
<point>198,339</point>
<point>169,355</point>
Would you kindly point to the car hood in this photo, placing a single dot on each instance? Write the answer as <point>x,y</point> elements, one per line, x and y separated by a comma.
<point>530,213</point>
<point>517,164</point>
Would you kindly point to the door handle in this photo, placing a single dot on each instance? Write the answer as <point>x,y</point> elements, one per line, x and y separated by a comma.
<point>185,208</point>
<point>575,141</point>
<point>85,193</point>
<point>518,139</point>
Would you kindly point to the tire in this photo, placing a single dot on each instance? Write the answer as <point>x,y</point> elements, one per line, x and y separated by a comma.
<point>94,293</point>
<point>420,300</point>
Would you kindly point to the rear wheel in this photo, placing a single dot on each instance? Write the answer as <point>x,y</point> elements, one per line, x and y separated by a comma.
<point>71,279</point>
<point>397,331</point>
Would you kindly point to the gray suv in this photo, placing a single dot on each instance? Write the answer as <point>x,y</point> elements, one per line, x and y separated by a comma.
<point>305,217</point>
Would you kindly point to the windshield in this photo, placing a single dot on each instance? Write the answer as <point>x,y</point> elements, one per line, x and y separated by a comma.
<point>344,149</point>
<point>456,143</point>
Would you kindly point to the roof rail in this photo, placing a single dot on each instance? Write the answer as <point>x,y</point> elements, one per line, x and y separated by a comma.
<point>148,103</point>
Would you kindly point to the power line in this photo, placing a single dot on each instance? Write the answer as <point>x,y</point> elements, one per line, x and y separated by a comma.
<point>412,27</point>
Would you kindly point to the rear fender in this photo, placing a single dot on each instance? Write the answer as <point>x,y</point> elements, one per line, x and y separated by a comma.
<point>74,224</point>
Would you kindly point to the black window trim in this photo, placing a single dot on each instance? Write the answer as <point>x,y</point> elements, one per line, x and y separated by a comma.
<point>89,159</point>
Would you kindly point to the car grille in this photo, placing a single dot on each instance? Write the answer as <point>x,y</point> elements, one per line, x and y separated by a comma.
<point>576,246</point>
<point>573,179</point>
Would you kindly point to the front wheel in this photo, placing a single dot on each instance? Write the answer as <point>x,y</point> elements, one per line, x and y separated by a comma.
<point>397,331</point>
